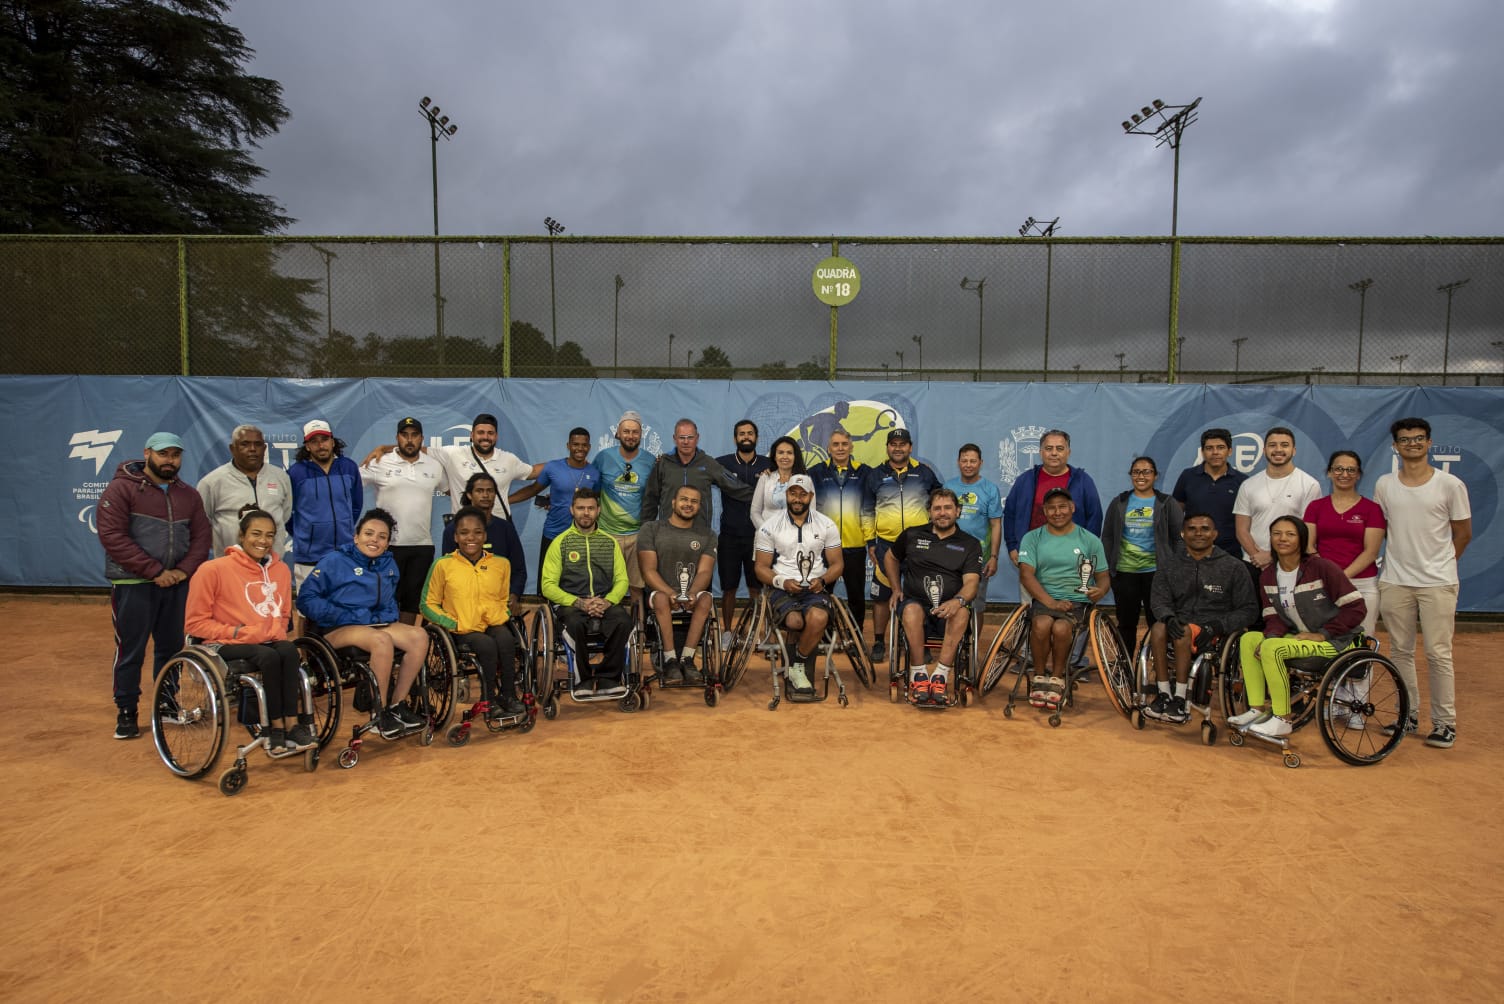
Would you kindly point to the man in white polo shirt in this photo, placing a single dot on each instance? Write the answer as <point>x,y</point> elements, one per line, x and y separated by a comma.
<point>405,482</point>
<point>1430,525</point>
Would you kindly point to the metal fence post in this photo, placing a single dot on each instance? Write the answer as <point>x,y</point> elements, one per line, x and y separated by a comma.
<point>835,250</point>
<point>1173,373</point>
<point>506,309</point>
<point>183,305</point>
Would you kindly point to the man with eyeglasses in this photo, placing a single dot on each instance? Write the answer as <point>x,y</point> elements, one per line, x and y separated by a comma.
<point>622,471</point>
<point>689,465</point>
<point>1430,525</point>
<point>246,481</point>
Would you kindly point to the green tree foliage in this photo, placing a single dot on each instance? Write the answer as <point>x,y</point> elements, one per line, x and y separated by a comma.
<point>713,364</point>
<point>811,369</point>
<point>131,117</point>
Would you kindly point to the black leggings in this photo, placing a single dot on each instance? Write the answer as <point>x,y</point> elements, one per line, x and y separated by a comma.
<point>855,577</point>
<point>492,648</point>
<point>1131,590</point>
<point>277,662</point>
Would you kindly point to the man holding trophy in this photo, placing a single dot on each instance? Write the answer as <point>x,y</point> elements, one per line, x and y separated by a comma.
<point>676,557</point>
<point>1063,568</point>
<point>938,567</point>
<point>799,559</point>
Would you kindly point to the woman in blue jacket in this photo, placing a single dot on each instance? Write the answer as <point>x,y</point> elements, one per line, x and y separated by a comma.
<point>352,595</point>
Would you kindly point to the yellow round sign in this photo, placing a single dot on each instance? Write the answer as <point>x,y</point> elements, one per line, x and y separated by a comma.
<point>836,281</point>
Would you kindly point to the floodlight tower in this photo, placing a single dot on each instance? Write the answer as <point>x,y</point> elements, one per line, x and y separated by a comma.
<point>439,127</point>
<point>1167,124</point>
<point>555,228</point>
<point>1446,340</point>
<point>1031,225</point>
<point>981,289</point>
<point>1361,288</point>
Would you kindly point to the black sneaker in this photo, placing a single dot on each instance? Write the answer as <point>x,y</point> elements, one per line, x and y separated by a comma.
<point>1159,708</point>
<point>510,707</point>
<point>692,674</point>
<point>276,741</point>
<point>125,725</point>
<point>409,718</point>
<point>301,737</point>
<point>879,652</point>
<point>672,671</point>
<point>1442,737</point>
<point>389,725</point>
<point>1178,712</point>
<point>1412,726</point>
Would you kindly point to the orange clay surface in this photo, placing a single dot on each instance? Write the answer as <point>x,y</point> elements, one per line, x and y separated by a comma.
<point>815,853</point>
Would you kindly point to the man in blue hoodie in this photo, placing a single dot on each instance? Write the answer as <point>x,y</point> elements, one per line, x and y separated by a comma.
<point>1024,510</point>
<point>326,498</point>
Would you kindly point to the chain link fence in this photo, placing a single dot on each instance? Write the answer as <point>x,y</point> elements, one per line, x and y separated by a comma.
<point>1216,310</point>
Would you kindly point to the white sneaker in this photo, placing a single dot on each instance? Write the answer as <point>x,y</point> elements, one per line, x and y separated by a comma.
<point>727,640</point>
<point>1274,727</point>
<point>1246,719</point>
<point>799,680</point>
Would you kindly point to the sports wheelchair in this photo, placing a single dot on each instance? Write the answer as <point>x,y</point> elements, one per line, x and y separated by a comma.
<point>1209,664</point>
<point>1009,652</point>
<point>755,630</point>
<point>1357,696</point>
<point>198,693</point>
<point>709,665</point>
<point>549,644</point>
<point>961,687</point>
<point>467,669</point>
<point>430,698</point>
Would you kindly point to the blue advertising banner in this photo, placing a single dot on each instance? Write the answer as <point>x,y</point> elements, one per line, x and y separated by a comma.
<point>78,429</point>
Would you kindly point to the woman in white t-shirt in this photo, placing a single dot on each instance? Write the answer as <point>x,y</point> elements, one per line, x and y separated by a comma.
<point>767,494</point>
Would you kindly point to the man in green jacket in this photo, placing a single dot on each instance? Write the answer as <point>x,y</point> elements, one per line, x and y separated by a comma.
<point>585,576</point>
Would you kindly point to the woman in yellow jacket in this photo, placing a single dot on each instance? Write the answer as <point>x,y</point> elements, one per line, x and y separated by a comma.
<point>466,593</point>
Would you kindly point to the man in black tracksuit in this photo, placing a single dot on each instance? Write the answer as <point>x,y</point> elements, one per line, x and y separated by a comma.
<point>1201,595</point>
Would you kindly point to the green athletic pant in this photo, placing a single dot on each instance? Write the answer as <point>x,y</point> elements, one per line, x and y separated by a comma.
<point>1269,665</point>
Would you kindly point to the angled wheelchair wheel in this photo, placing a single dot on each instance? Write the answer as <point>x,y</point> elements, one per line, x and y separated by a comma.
<point>849,635</point>
<point>748,631</point>
<point>190,715</point>
<point>1361,695</point>
<point>540,654</point>
<point>710,649</point>
<point>1112,661</point>
<point>1230,681</point>
<point>440,678</point>
<point>322,667</point>
<point>1006,653</point>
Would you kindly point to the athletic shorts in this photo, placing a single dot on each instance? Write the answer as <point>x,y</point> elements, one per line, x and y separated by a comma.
<point>628,544</point>
<point>784,603</point>
<point>413,563</point>
<point>736,556</point>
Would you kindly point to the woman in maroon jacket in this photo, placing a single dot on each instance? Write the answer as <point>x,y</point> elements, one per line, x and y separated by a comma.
<point>1310,610</point>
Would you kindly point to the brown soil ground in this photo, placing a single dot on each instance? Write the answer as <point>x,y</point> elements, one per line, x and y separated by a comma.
<point>870,853</point>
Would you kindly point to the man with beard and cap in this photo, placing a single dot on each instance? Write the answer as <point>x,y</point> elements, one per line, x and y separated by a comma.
<point>460,460</point>
<point>405,482</point>
<point>246,482</point>
<point>736,544</point>
<point>622,474</point>
<point>155,535</point>
<point>799,560</point>
<point>327,497</point>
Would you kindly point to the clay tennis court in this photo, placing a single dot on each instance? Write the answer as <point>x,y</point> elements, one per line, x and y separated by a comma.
<point>873,853</point>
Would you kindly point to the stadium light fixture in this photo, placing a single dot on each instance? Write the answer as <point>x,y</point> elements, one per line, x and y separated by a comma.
<point>981,290</point>
<point>555,228</point>
<point>439,127</point>
<point>1361,288</point>
<point>1043,229</point>
<point>1446,339</point>
<point>1167,124</point>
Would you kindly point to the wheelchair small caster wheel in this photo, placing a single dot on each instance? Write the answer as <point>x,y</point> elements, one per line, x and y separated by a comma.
<point>311,760</point>
<point>526,723</point>
<point>1137,718</point>
<point>968,697</point>
<point>893,692</point>
<point>647,698</point>
<point>1008,711</point>
<point>551,709</point>
<point>457,735</point>
<point>1208,734</point>
<point>631,703</point>
<point>348,758</point>
<point>712,698</point>
<point>843,700</point>
<point>1236,738</point>
<point>1055,720</point>
<point>425,738</point>
<point>232,781</point>
<point>1292,759</point>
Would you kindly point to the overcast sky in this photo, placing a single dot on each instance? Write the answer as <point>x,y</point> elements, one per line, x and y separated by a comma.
<point>1319,117</point>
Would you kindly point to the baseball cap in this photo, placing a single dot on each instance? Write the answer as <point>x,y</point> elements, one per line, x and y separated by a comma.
<point>164,441</point>
<point>410,423</point>
<point>316,428</point>
<point>1056,492</point>
<point>802,481</point>
<point>900,436</point>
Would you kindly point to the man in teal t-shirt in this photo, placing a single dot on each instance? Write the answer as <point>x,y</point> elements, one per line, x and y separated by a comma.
<point>623,471</point>
<point>1063,568</point>
<point>981,509</point>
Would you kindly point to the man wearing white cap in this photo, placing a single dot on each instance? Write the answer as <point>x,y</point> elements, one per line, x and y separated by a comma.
<point>326,498</point>
<point>405,482</point>
<point>155,535</point>
<point>799,560</point>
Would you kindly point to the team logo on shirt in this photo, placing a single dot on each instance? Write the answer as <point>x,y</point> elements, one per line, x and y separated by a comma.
<point>1016,453</point>
<point>574,555</point>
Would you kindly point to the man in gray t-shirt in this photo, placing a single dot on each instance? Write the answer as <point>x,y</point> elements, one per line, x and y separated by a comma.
<point>676,558</point>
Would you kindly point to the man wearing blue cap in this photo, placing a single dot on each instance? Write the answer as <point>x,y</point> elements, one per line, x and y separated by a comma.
<point>155,535</point>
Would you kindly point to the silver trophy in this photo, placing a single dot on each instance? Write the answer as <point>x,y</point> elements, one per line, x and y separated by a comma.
<point>1087,570</point>
<point>932,586</point>
<point>806,564</point>
<point>683,596</point>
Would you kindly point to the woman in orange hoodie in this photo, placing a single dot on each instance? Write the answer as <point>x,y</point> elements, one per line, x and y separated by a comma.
<point>240,604</point>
